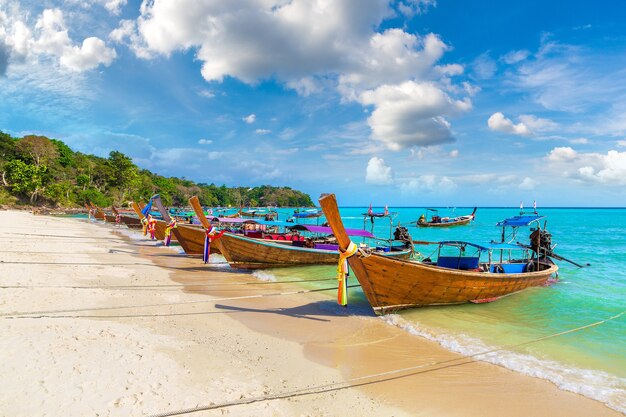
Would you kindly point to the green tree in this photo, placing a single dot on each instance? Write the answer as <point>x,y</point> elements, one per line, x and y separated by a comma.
<point>25,179</point>
<point>37,149</point>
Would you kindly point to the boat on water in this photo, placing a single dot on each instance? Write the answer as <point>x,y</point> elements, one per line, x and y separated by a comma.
<point>307,214</point>
<point>475,273</point>
<point>438,221</point>
<point>290,249</point>
<point>259,213</point>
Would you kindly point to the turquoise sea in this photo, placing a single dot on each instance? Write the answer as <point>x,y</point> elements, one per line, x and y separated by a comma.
<point>591,362</point>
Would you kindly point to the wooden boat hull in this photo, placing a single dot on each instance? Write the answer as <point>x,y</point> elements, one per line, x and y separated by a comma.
<point>191,239</point>
<point>392,285</point>
<point>131,222</point>
<point>159,230</point>
<point>247,253</point>
<point>109,218</point>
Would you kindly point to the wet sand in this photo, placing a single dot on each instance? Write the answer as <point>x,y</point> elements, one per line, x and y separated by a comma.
<point>193,345</point>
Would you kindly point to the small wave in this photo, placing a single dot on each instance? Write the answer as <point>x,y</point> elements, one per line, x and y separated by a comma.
<point>598,385</point>
<point>218,261</point>
<point>264,276</point>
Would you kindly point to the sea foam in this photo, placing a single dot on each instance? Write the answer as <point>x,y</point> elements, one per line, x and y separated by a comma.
<point>264,276</point>
<point>598,385</point>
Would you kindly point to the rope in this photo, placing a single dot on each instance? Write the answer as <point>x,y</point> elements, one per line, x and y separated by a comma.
<point>191,284</point>
<point>375,378</point>
<point>44,313</point>
<point>342,272</point>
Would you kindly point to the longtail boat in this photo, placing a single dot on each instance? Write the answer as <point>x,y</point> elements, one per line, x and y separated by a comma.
<point>97,212</point>
<point>130,221</point>
<point>190,237</point>
<point>392,284</point>
<point>253,253</point>
<point>160,225</point>
<point>307,214</point>
<point>438,221</point>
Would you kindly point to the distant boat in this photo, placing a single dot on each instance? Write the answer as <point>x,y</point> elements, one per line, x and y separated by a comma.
<point>308,214</point>
<point>438,221</point>
<point>393,284</point>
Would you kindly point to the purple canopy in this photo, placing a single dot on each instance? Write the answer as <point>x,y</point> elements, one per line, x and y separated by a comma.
<point>328,230</point>
<point>231,220</point>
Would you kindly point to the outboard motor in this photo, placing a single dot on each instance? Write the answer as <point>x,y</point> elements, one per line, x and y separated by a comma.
<point>402,234</point>
<point>541,242</point>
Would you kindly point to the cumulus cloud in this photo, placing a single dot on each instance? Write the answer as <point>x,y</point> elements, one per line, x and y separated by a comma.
<point>593,167</point>
<point>311,46</point>
<point>49,37</point>
<point>562,154</point>
<point>250,118</point>
<point>538,124</point>
<point>377,172</point>
<point>91,54</point>
<point>497,122</point>
<point>411,114</point>
<point>205,141</point>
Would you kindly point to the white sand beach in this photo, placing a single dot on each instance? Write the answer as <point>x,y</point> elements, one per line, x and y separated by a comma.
<point>97,321</point>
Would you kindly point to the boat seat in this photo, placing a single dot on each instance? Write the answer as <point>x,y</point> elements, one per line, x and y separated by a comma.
<point>455,262</point>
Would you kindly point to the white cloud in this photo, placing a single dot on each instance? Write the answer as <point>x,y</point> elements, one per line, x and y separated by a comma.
<point>621,143</point>
<point>377,172</point>
<point>206,93</point>
<point>411,114</point>
<point>537,124</point>
<point>579,141</point>
<point>310,46</point>
<point>528,184</point>
<point>499,123</point>
<point>593,167</point>
<point>49,38</point>
<point>262,131</point>
<point>562,154</point>
<point>411,8</point>
<point>429,183</point>
<point>249,118</point>
<point>484,67</point>
<point>454,153</point>
<point>205,141</point>
<point>514,57</point>
<point>91,54</point>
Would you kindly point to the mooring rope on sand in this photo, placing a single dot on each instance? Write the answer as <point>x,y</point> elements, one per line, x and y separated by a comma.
<point>44,314</point>
<point>374,378</point>
<point>157,286</point>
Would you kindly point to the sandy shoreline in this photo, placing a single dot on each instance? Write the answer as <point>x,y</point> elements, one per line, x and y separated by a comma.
<point>185,351</point>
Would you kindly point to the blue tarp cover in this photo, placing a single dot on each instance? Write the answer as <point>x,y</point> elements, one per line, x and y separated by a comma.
<point>518,221</point>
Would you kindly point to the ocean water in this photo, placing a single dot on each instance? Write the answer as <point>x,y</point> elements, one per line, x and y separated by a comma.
<point>591,362</point>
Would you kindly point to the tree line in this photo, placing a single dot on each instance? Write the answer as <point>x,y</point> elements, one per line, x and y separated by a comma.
<point>37,170</point>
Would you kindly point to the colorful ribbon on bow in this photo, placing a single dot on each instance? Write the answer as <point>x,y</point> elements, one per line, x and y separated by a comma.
<point>168,232</point>
<point>342,272</point>
<point>152,228</point>
<point>210,235</point>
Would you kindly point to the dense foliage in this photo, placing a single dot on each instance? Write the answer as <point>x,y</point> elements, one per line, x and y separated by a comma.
<point>38,170</point>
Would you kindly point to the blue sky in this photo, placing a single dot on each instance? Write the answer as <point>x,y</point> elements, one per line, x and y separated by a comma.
<point>403,103</point>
